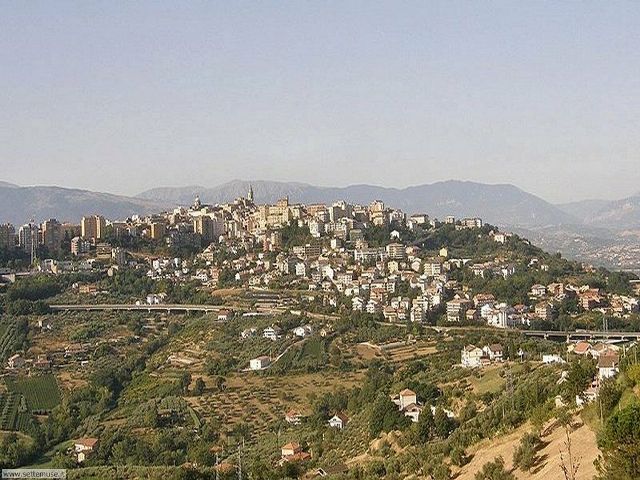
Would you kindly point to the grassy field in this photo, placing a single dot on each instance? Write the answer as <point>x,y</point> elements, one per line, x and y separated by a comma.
<point>310,356</point>
<point>41,393</point>
<point>488,381</point>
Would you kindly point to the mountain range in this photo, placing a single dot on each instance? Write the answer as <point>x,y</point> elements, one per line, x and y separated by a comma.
<point>605,232</point>
<point>616,214</point>
<point>500,204</point>
<point>19,205</point>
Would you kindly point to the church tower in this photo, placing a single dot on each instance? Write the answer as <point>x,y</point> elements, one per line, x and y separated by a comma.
<point>250,194</point>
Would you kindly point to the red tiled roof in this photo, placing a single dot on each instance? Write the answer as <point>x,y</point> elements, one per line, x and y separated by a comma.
<point>406,392</point>
<point>87,442</point>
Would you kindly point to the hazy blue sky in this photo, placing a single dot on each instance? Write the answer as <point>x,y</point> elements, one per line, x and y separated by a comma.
<point>123,96</point>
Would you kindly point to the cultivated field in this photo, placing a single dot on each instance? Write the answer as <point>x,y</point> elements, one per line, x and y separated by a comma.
<point>41,393</point>
<point>260,400</point>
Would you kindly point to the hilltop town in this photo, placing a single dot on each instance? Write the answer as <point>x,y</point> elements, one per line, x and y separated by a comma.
<point>304,341</point>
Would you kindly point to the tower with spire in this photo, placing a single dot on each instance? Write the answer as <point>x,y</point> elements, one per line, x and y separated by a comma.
<point>250,194</point>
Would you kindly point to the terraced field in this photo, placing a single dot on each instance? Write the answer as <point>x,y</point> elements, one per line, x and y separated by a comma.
<point>412,351</point>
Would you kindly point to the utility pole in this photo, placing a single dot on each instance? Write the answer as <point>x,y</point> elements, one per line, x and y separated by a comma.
<point>240,460</point>
<point>510,387</point>
<point>600,402</point>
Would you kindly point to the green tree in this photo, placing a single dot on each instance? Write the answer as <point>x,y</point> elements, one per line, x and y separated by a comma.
<point>385,416</point>
<point>425,428</point>
<point>633,373</point>
<point>185,381</point>
<point>525,456</point>
<point>494,471</point>
<point>608,396</point>
<point>199,386</point>
<point>620,445</point>
<point>443,424</point>
<point>581,373</point>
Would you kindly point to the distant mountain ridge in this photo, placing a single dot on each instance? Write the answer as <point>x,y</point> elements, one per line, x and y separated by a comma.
<point>616,214</point>
<point>20,204</point>
<point>501,204</point>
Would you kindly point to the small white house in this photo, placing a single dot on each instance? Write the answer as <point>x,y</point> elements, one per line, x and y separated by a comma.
<point>84,447</point>
<point>493,351</point>
<point>339,421</point>
<point>259,363</point>
<point>272,332</point>
<point>406,398</point>
<point>293,417</point>
<point>156,298</point>
<point>413,412</point>
<point>608,366</point>
<point>588,396</point>
<point>303,331</point>
<point>548,358</point>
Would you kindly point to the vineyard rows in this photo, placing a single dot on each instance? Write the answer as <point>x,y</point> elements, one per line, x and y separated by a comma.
<point>41,392</point>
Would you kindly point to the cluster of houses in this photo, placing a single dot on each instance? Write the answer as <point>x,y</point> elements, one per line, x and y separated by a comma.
<point>587,297</point>
<point>483,307</point>
<point>608,358</point>
<point>607,355</point>
<point>335,257</point>
<point>40,363</point>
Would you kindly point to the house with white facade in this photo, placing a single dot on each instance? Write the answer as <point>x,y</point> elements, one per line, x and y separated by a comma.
<point>471,357</point>
<point>259,363</point>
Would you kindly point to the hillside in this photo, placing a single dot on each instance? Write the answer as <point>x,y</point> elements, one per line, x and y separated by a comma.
<point>618,214</point>
<point>19,204</point>
<point>498,204</point>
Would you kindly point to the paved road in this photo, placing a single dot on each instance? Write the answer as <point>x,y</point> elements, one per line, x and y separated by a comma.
<point>146,308</point>
<point>169,308</point>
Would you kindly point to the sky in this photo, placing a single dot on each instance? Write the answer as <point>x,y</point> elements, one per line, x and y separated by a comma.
<point>125,96</point>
